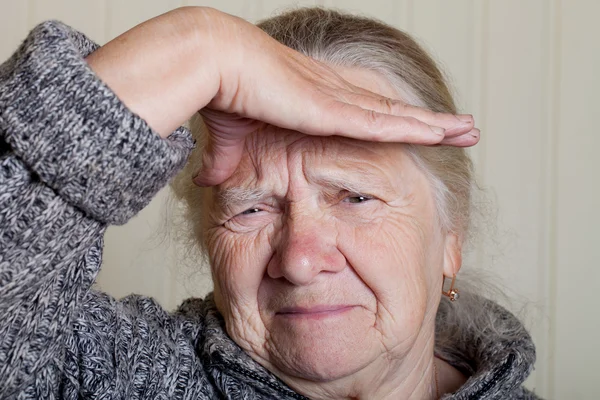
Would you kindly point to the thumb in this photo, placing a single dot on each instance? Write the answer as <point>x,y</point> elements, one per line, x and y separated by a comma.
<point>220,158</point>
<point>225,144</point>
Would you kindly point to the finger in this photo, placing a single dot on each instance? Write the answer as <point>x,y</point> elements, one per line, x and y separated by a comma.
<point>219,161</point>
<point>227,124</point>
<point>468,139</point>
<point>454,125</point>
<point>355,122</point>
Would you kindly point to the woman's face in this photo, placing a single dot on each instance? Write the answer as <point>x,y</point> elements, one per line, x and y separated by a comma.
<point>326,253</point>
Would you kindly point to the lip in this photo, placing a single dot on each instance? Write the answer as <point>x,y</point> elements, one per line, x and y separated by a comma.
<point>315,312</point>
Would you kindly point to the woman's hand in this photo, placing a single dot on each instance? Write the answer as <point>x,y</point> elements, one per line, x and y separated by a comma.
<point>201,59</point>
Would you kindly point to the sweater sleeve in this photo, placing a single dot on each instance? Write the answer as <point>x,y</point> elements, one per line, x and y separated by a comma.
<point>73,159</point>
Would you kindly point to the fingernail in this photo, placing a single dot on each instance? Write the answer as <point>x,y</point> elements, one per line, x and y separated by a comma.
<point>438,131</point>
<point>475,133</point>
<point>466,118</point>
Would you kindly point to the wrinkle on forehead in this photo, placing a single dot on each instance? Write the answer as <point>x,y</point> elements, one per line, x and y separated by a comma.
<point>276,159</point>
<point>356,166</point>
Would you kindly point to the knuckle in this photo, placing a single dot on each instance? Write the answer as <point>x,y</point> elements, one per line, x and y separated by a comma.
<point>375,125</point>
<point>413,129</point>
<point>386,105</point>
<point>401,107</point>
<point>393,107</point>
<point>373,119</point>
<point>410,125</point>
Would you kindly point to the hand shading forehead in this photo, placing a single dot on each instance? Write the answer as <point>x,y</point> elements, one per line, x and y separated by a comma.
<point>333,160</point>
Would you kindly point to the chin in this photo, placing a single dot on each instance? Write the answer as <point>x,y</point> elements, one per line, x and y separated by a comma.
<point>324,352</point>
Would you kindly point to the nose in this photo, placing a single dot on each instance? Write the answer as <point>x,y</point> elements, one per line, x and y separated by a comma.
<point>307,248</point>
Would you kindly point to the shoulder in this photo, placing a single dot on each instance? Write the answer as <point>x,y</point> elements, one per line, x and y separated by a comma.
<point>133,344</point>
<point>139,315</point>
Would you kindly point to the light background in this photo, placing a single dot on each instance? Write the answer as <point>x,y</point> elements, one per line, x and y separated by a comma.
<point>529,72</point>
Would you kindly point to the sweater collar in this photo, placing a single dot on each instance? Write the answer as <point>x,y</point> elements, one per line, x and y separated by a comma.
<point>493,348</point>
<point>495,363</point>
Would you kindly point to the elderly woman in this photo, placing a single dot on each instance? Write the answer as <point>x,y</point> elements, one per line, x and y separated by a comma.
<point>329,223</point>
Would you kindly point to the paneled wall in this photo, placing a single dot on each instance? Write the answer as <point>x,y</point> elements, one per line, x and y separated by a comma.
<point>529,72</point>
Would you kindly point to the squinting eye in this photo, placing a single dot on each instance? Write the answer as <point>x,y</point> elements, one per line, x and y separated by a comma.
<point>251,211</point>
<point>357,199</point>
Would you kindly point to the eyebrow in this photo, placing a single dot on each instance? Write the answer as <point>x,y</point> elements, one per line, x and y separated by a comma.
<point>228,197</point>
<point>235,196</point>
<point>367,181</point>
<point>352,187</point>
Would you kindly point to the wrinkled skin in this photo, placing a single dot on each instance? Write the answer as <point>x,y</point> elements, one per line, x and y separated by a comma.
<point>328,260</point>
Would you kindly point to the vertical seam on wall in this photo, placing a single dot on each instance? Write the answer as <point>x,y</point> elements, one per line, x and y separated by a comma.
<point>470,65</point>
<point>485,34</point>
<point>30,13</point>
<point>410,16</point>
<point>107,21</point>
<point>552,181</point>
<point>395,10</point>
<point>483,65</point>
<point>543,254</point>
<point>259,10</point>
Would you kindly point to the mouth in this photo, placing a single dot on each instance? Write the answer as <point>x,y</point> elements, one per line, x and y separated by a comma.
<point>316,312</point>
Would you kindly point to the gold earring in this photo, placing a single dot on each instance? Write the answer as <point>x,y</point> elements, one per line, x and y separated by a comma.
<point>452,293</point>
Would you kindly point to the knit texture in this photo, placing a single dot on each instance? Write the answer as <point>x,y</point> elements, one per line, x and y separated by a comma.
<point>74,159</point>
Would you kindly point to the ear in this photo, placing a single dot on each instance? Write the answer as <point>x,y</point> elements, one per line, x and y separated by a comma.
<point>452,254</point>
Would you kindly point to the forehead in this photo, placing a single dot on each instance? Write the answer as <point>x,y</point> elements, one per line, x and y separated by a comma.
<point>274,158</point>
<point>269,151</point>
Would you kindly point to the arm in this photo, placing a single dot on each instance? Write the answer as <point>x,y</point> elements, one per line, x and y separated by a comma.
<point>248,78</point>
<point>73,160</point>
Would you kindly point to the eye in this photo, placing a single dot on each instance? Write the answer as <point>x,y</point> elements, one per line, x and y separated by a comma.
<point>357,198</point>
<point>249,211</point>
<point>252,219</point>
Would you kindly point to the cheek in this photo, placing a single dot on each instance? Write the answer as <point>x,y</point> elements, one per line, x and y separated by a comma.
<point>390,256</point>
<point>238,263</point>
<point>386,251</point>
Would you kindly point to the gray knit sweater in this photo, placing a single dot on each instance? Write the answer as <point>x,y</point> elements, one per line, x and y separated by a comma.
<point>74,159</point>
